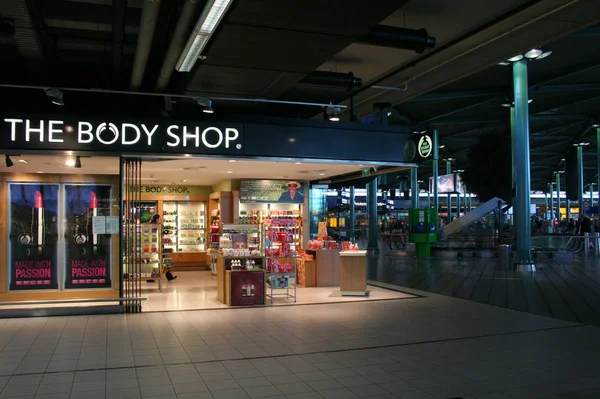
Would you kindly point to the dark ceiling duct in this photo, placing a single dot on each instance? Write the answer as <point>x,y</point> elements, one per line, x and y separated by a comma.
<point>390,36</point>
<point>332,79</point>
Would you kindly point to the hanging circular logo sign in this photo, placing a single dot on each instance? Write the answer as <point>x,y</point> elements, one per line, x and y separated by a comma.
<point>425,146</point>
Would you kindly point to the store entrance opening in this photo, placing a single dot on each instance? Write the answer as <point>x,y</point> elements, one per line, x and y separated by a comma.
<point>235,232</point>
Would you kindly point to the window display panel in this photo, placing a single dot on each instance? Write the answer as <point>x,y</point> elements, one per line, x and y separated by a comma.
<point>33,236</point>
<point>185,226</point>
<point>88,247</point>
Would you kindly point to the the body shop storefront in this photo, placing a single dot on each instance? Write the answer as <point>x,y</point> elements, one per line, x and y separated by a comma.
<point>68,220</point>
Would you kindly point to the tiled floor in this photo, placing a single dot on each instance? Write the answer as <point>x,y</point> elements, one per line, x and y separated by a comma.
<point>198,290</point>
<point>434,347</point>
<point>568,290</point>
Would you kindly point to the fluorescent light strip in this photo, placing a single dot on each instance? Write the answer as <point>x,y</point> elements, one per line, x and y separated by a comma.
<point>209,19</point>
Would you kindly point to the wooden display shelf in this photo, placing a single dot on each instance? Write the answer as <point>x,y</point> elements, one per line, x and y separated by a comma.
<point>353,270</point>
<point>327,267</point>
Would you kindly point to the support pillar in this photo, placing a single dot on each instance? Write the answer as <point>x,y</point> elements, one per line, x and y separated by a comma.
<point>522,166</point>
<point>372,214</point>
<point>558,214</point>
<point>414,189</point>
<point>352,216</point>
<point>551,191</point>
<point>436,155</point>
<point>598,163</point>
<point>568,209</point>
<point>465,198</point>
<point>580,177</point>
<point>449,171</point>
<point>546,204</point>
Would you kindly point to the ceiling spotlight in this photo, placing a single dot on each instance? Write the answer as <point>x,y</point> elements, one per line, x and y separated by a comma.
<point>516,58</point>
<point>545,54</point>
<point>56,95</point>
<point>9,162</point>
<point>596,125</point>
<point>442,146</point>
<point>507,104</point>
<point>206,105</point>
<point>459,171</point>
<point>70,162</point>
<point>230,171</point>
<point>232,160</point>
<point>298,163</point>
<point>321,174</point>
<point>334,113</point>
<point>450,159</point>
<point>534,53</point>
<point>22,161</point>
<point>504,63</point>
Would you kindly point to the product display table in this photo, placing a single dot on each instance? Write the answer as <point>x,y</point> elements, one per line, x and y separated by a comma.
<point>243,288</point>
<point>353,273</point>
<point>327,264</point>
<point>224,265</point>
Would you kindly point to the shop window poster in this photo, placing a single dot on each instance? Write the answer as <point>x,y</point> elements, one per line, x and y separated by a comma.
<point>271,191</point>
<point>88,258</point>
<point>33,237</point>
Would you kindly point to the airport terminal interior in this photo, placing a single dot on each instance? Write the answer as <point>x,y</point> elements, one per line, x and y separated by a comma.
<point>218,199</point>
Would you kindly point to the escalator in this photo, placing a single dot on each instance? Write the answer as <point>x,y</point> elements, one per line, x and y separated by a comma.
<point>469,218</point>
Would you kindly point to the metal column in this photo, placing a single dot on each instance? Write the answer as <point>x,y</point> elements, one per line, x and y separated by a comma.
<point>568,210</point>
<point>558,215</point>
<point>458,204</point>
<point>436,155</point>
<point>546,204</point>
<point>598,163</point>
<point>580,177</point>
<point>465,198</point>
<point>352,216</point>
<point>551,191</point>
<point>414,189</point>
<point>522,164</point>
<point>372,213</point>
<point>448,171</point>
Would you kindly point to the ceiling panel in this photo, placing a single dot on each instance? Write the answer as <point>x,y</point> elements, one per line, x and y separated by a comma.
<point>332,17</point>
<point>197,171</point>
<point>265,48</point>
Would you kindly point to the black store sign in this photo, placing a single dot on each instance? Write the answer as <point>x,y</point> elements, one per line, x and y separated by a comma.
<point>122,136</point>
<point>275,138</point>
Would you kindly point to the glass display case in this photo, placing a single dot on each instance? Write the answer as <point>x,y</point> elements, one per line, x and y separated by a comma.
<point>184,227</point>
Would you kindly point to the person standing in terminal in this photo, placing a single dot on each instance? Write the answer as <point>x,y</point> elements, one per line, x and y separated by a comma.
<point>293,194</point>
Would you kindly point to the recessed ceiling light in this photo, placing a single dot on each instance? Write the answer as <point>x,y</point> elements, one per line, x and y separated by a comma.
<point>516,58</point>
<point>187,155</point>
<point>298,163</point>
<point>70,152</point>
<point>361,165</point>
<point>39,171</point>
<point>230,171</point>
<point>70,162</point>
<point>232,160</point>
<point>291,139</point>
<point>22,161</point>
<point>184,181</point>
<point>321,174</point>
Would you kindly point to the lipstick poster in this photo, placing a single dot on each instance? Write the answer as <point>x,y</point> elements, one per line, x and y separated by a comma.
<point>88,258</point>
<point>33,236</point>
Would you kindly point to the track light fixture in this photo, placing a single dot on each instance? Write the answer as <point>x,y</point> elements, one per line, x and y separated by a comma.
<point>334,113</point>
<point>77,162</point>
<point>206,105</point>
<point>56,95</point>
<point>536,53</point>
<point>9,161</point>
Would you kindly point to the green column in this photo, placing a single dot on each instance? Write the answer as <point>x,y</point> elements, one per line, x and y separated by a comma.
<point>580,177</point>
<point>598,162</point>
<point>436,155</point>
<point>558,215</point>
<point>546,203</point>
<point>551,191</point>
<point>352,216</point>
<point>448,171</point>
<point>522,166</point>
<point>458,204</point>
<point>414,189</point>
<point>372,213</point>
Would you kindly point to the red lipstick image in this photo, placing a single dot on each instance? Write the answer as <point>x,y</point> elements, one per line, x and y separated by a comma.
<point>39,205</point>
<point>94,208</point>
